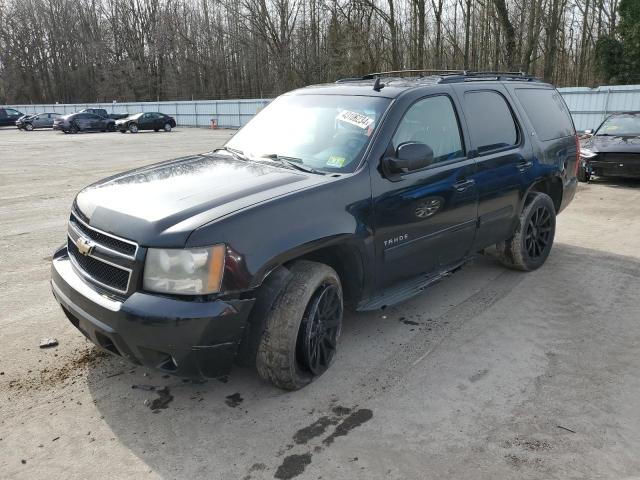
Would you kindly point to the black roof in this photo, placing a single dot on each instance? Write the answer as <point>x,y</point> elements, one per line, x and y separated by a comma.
<point>393,83</point>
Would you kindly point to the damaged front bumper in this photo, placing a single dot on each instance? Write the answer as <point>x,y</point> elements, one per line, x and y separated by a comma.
<point>184,338</point>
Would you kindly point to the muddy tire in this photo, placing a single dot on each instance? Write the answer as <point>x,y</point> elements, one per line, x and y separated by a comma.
<point>531,243</point>
<point>302,327</point>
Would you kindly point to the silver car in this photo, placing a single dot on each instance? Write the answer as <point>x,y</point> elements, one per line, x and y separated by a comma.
<point>39,120</point>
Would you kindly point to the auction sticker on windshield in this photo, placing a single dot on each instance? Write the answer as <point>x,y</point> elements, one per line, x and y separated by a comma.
<point>354,118</point>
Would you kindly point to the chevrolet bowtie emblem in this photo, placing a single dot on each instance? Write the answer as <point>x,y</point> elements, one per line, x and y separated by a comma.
<point>84,245</point>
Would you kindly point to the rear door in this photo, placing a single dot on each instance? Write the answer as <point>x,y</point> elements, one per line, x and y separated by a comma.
<point>425,220</point>
<point>503,158</point>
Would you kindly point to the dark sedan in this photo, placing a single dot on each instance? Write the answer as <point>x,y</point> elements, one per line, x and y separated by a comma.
<point>613,149</point>
<point>81,122</point>
<point>155,121</point>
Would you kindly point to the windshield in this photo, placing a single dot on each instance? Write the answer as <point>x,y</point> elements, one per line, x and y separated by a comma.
<point>620,125</point>
<point>323,132</point>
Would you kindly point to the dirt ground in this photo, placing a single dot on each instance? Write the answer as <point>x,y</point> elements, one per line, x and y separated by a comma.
<point>490,374</point>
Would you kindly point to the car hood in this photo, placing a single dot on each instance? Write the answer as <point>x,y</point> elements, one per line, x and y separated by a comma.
<point>617,144</point>
<point>162,204</point>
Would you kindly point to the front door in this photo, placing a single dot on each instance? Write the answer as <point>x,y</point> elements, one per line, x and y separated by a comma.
<point>425,220</point>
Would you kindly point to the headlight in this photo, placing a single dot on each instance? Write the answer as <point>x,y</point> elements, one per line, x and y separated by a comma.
<point>586,153</point>
<point>194,271</point>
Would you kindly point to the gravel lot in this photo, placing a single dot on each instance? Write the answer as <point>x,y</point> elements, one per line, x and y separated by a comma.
<point>490,374</point>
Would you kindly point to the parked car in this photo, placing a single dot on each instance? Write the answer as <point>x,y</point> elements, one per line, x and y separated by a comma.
<point>146,121</point>
<point>39,120</point>
<point>81,122</point>
<point>8,116</point>
<point>613,149</point>
<point>103,113</point>
<point>359,194</point>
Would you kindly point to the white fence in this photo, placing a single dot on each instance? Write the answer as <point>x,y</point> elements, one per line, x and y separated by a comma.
<point>588,107</point>
<point>226,113</point>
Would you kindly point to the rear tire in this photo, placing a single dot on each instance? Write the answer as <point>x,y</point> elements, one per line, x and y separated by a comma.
<point>302,327</point>
<point>531,243</point>
<point>111,127</point>
<point>156,130</point>
<point>167,127</point>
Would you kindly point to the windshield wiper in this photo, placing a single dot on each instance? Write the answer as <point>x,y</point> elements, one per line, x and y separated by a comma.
<point>294,162</point>
<point>233,151</point>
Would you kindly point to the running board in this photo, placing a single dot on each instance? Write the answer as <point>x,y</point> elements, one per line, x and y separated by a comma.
<point>407,289</point>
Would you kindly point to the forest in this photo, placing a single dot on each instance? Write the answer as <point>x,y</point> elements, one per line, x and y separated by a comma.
<point>123,50</point>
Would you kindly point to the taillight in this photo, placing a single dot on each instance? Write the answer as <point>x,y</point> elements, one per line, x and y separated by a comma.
<point>575,168</point>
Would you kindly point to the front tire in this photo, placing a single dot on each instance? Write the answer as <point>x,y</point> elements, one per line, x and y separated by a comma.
<point>531,243</point>
<point>28,127</point>
<point>133,128</point>
<point>302,327</point>
<point>74,128</point>
<point>583,175</point>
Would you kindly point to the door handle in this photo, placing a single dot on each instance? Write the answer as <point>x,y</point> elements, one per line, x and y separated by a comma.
<point>524,165</point>
<point>463,185</point>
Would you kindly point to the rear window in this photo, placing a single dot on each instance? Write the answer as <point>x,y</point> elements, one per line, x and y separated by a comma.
<point>490,121</point>
<point>547,111</point>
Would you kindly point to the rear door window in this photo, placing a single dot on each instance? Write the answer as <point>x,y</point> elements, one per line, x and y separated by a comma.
<point>490,121</point>
<point>547,111</point>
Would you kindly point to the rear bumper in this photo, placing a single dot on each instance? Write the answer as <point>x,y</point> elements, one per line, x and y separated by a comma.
<point>183,338</point>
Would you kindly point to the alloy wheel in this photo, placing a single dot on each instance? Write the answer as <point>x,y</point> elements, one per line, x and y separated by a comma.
<point>538,232</point>
<point>320,329</point>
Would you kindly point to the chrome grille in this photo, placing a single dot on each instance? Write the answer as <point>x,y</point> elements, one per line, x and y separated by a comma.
<point>109,276</point>
<point>110,241</point>
<point>108,262</point>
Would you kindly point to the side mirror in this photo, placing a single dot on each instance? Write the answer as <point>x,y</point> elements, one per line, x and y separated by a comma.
<point>410,156</point>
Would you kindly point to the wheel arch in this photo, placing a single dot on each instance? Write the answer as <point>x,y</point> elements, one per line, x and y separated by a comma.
<point>341,252</point>
<point>551,186</point>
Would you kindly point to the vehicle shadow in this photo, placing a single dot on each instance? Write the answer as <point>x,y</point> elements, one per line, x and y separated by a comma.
<point>244,426</point>
<point>616,182</point>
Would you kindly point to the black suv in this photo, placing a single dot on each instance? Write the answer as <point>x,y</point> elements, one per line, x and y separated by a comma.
<point>8,116</point>
<point>359,193</point>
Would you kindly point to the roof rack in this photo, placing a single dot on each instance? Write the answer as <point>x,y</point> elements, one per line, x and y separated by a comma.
<point>448,76</point>
<point>403,72</point>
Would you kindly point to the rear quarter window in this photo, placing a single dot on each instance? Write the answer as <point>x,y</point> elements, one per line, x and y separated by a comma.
<point>547,111</point>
